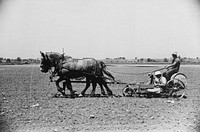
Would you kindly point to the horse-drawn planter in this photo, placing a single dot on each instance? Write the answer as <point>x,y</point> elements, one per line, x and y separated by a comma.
<point>175,87</point>
<point>67,68</point>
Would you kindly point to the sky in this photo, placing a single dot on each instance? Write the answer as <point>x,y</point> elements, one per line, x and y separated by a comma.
<point>100,28</point>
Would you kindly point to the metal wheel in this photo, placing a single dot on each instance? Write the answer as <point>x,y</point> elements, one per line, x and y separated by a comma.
<point>180,76</point>
<point>128,91</point>
<point>176,88</point>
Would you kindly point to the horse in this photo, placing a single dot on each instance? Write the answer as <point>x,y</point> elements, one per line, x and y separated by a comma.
<point>68,68</point>
<point>96,80</point>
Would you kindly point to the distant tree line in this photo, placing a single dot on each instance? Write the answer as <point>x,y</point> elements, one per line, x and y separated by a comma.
<point>184,60</point>
<point>18,61</point>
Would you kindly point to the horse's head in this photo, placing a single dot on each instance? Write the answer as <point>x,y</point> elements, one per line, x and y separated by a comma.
<point>49,60</point>
<point>45,63</point>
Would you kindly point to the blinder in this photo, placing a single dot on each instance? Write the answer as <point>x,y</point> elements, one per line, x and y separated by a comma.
<point>45,64</point>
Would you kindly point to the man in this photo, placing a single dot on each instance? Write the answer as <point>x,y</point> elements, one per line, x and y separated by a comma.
<point>173,67</point>
<point>159,83</point>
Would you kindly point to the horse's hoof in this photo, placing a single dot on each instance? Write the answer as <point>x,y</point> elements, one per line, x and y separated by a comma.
<point>81,95</point>
<point>75,92</point>
<point>56,95</point>
<point>92,95</point>
<point>64,96</point>
<point>72,96</point>
<point>103,94</point>
<point>110,94</point>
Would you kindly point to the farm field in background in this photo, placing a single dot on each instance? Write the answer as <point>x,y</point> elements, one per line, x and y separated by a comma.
<point>27,104</point>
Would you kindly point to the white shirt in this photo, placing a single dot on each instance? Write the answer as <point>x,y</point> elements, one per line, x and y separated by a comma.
<point>160,81</point>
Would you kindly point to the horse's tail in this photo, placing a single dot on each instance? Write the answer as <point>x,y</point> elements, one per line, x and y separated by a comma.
<point>105,71</point>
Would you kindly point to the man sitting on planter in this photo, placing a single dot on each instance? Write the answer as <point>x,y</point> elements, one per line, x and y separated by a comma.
<point>159,82</point>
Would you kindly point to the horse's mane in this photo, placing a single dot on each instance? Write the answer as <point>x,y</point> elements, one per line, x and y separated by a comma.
<point>67,57</point>
<point>55,56</point>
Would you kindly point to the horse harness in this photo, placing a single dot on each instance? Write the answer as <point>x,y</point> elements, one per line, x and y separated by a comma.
<point>58,67</point>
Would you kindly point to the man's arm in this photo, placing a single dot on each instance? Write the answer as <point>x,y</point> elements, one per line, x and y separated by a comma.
<point>173,64</point>
<point>163,82</point>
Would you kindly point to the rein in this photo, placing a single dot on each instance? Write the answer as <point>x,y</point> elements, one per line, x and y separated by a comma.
<point>138,73</point>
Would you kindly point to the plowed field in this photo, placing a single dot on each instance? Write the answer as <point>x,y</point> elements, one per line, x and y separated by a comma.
<point>27,104</point>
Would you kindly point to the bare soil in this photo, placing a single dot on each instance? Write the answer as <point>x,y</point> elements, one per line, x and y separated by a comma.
<point>27,105</point>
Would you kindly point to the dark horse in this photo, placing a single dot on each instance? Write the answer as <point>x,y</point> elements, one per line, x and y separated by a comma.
<point>98,79</point>
<point>68,68</point>
<point>94,81</point>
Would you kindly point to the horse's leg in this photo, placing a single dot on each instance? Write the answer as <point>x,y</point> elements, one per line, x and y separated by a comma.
<point>94,85</point>
<point>61,90</point>
<point>64,86</point>
<point>86,87</point>
<point>69,87</point>
<point>102,89</point>
<point>103,82</point>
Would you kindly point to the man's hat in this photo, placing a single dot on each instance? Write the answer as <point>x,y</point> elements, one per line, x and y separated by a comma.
<point>157,73</point>
<point>175,53</point>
